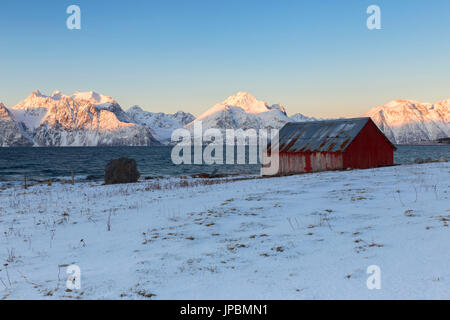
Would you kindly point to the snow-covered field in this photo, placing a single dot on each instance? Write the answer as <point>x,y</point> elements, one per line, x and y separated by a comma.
<point>306,236</point>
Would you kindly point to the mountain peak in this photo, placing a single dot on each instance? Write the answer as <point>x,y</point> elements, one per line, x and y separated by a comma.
<point>243,111</point>
<point>247,102</point>
<point>401,102</point>
<point>239,99</point>
<point>444,102</point>
<point>4,113</point>
<point>241,95</point>
<point>37,93</point>
<point>135,108</point>
<point>93,97</point>
<point>56,95</point>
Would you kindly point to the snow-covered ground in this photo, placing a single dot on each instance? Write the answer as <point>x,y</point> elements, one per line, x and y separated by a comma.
<point>305,236</point>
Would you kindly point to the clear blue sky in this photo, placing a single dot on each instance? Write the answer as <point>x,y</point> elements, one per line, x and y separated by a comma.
<point>314,57</point>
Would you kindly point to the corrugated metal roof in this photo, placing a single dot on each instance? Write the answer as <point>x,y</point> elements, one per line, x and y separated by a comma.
<point>320,136</point>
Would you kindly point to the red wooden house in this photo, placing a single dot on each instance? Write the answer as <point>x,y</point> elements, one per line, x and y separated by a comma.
<point>332,145</point>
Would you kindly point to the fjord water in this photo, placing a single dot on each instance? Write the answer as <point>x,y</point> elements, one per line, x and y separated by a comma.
<point>89,162</point>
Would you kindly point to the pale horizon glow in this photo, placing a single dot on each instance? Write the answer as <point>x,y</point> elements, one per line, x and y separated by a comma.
<point>318,59</point>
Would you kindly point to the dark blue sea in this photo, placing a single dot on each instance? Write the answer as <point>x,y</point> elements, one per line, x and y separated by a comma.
<point>88,163</point>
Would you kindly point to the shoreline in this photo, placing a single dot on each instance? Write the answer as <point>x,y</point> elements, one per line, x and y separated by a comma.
<point>79,180</point>
<point>430,143</point>
<point>19,184</point>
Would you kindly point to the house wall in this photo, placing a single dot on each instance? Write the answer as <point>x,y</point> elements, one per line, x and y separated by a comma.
<point>370,149</point>
<point>300,162</point>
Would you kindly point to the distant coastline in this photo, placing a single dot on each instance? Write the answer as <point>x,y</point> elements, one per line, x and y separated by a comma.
<point>438,142</point>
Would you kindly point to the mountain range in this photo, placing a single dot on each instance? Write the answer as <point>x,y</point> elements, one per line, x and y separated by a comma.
<point>163,124</point>
<point>412,122</point>
<point>244,111</point>
<point>82,119</point>
<point>93,119</point>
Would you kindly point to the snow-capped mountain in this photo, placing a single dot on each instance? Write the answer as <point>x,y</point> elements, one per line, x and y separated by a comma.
<point>410,122</point>
<point>82,119</point>
<point>244,111</point>
<point>11,132</point>
<point>298,117</point>
<point>161,123</point>
<point>93,119</point>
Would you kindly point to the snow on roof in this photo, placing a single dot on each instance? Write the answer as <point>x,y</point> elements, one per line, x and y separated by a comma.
<point>323,136</point>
